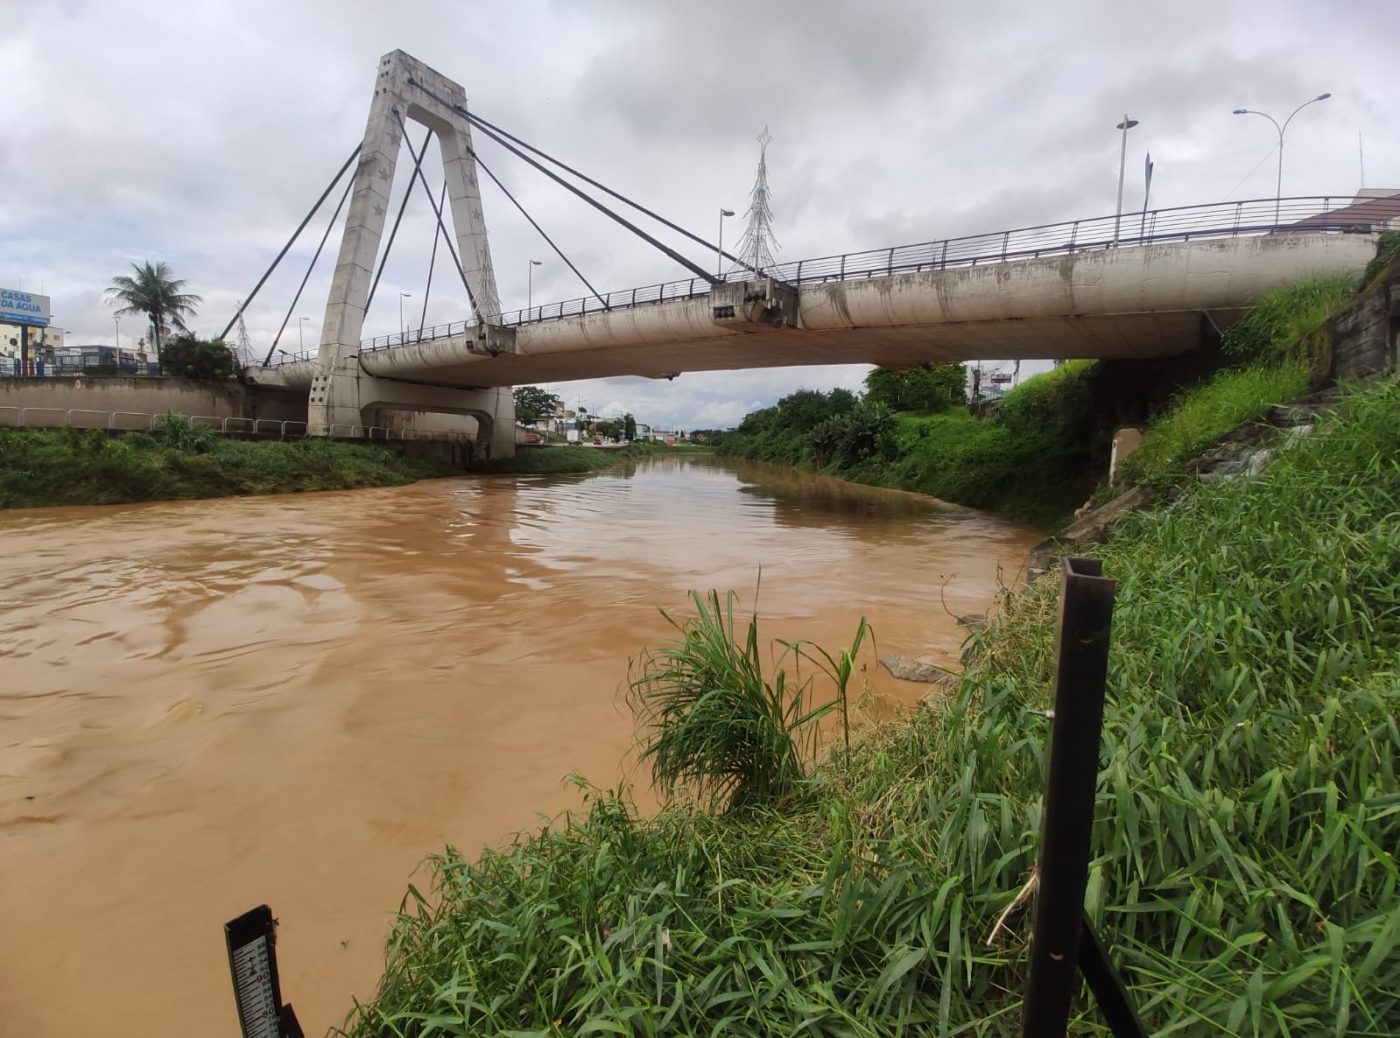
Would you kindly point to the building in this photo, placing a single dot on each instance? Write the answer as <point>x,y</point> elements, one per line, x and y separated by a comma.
<point>42,344</point>
<point>74,360</point>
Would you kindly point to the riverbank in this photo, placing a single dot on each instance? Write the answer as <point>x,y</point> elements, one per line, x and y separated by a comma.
<point>575,458</point>
<point>47,467</point>
<point>1244,868</point>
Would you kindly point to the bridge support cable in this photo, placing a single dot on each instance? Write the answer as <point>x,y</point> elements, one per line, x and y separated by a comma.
<point>672,253</point>
<point>292,240</point>
<point>491,129</point>
<point>349,186</point>
<point>398,217</point>
<point>432,262</point>
<point>557,250</point>
<point>437,212</point>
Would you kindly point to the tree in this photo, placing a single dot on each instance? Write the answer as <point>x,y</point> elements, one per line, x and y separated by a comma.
<point>203,360</point>
<point>154,293</point>
<point>928,387</point>
<point>629,427</point>
<point>608,429</point>
<point>532,402</point>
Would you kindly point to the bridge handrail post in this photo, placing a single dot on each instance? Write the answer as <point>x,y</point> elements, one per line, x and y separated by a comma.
<point>1005,239</point>
<point>842,275</point>
<point>889,266</point>
<point>799,271</point>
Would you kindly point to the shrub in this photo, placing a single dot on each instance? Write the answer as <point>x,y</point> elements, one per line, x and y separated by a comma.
<point>203,360</point>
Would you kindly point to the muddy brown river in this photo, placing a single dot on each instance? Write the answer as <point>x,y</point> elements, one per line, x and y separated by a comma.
<point>209,705</point>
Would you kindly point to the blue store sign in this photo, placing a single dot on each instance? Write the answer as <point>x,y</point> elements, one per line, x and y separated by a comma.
<point>18,307</point>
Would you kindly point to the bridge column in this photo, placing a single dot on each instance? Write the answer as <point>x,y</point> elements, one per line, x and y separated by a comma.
<point>405,90</point>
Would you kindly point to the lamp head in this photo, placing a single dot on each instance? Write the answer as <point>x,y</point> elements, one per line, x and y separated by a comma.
<point>1126,124</point>
<point>1240,111</point>
<point>726,212</point>
<point>1322,97</point>
<point>536,263</point>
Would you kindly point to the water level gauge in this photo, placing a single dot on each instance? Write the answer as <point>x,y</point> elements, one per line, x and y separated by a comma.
<point>252,958</point>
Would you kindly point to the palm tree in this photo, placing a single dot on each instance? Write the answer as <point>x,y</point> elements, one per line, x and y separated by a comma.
<point>156,294</point>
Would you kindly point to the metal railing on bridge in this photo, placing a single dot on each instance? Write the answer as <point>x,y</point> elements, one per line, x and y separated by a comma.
<point>145,421</point>
<point>1312,213</point>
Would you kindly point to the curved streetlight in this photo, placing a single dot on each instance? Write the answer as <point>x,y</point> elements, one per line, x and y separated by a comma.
<point>301,339</point>
<point>1278,186</point>
<point>719,249</point>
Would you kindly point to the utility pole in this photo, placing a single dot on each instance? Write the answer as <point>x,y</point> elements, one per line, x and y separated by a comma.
<point>1126,125</point>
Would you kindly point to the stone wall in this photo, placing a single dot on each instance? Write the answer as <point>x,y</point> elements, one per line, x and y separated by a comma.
<point>149,396</point>
<point>1366,336</point>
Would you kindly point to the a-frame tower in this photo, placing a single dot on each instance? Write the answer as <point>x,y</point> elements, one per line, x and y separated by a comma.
<point>407,91</point>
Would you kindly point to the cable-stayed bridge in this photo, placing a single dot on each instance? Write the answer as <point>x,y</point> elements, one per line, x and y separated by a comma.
<point>1137,285</point>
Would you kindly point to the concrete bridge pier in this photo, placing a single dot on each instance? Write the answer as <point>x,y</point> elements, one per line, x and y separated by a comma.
<point>342,392</point>
<point>493,409</point>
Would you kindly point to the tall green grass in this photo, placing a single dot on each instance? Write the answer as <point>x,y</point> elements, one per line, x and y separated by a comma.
<point>1244,864</point>
<point>1198,417</point>
<point>43,467</point>
<point>1289,325</point>
<point>715,721</point>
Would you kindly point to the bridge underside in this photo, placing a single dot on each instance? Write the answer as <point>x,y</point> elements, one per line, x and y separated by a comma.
<point>757,346</point>
<point>1148,301</point>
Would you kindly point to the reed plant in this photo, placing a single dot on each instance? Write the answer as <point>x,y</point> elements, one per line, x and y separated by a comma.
<point>717,723</point>
<point>1244,869</point>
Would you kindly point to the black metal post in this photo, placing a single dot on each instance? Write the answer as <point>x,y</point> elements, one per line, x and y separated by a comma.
<point>1086,617</point>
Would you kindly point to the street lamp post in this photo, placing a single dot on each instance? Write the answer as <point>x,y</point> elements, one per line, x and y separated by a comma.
<point>530,287</point>
<point>118,322</point>
<point>403,328</point>
<point>1278,184</point>
<point>301,323</point>
<point>719,249</point>
<point>1126,125</point>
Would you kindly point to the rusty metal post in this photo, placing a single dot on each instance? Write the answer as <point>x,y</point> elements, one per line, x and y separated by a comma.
<point>1086,616</point>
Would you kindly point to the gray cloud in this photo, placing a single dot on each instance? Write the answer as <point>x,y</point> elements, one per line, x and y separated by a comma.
<point>200,133</point>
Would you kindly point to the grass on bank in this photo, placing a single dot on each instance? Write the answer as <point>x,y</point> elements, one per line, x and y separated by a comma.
<point>45,467</point>
<point>549,461</point>
<point>1281,349</point>
<point>1244,866</point>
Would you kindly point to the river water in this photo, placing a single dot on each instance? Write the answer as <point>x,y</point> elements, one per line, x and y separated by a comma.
<point>209,705</point>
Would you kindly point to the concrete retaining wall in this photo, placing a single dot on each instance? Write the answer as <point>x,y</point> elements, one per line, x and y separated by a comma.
<point>1366,336</point>
<point>152,396</point>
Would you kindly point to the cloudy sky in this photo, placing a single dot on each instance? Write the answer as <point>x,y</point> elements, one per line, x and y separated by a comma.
<point>200,132</point>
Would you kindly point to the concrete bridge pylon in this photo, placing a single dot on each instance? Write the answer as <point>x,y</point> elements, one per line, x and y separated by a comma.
<point>343,394</point>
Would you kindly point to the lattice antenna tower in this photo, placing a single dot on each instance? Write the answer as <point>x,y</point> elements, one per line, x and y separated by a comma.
<point>242,347</point>
<point>757,246</point>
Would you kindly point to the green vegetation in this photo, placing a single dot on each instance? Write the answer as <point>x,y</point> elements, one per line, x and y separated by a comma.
<point>1281,350</point>
<point>1029,460</point>
<point>927,387</point>
<point>1200,416</point>
<point>43,467</point>
<point>156,295</point>
<point>1244,870</point>
<point>715,723</point>
<point>1290,325</point>
<point>548,461</point>
<point>1387,249</point>
<point>201,360</point>
<point>532,403</point>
